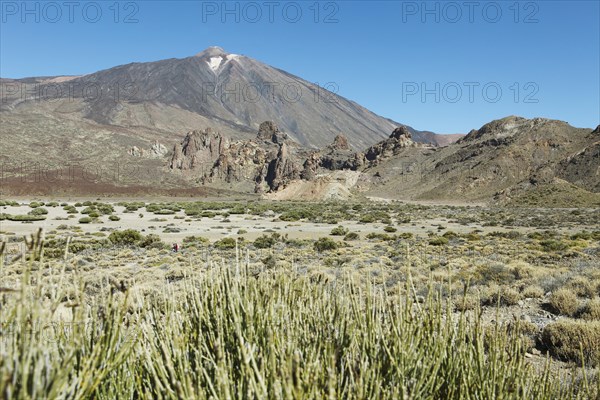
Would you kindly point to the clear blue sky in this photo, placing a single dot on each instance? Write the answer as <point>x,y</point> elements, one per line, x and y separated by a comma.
<point>379,54</point>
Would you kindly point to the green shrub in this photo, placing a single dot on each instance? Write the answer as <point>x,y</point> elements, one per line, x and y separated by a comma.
<point>295,215</point>
<point>351,236</point>
<point>85,220</point>
<point>237,210</point>
<point>438,241</point>
<point>325,244</point>
<point>151,241</point>
<point>472,237</point>
<point>225,244</point>
<point>194,240</point>
<point>380,236</point>
<point>390,229</point>
<point>339,231</point>
<point>367,219</point>
<point>114,218</point>
<point>88,210</point>
<point>269,261</point>
<point>265,241</point>
<point>192,211</point>
<point>164,212</point>
<point>283,335</point>
<point>554,245</point>
<point>105,209</point>
<point>26,218</point>
<point>127,237</point>
<point>38,211</point>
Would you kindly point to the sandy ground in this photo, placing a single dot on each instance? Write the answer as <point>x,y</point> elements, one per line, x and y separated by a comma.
<point>218,227</point>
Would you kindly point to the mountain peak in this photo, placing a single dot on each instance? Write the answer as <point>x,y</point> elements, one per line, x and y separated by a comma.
<point>213,51</point>
<point>216,58</point>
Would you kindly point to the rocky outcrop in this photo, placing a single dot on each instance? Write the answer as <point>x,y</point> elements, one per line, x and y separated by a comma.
<point>340,143</point>
<point>268,131</point>
<point>583,167</point>
<point>512,152</point>
<point>311,166</point>
<point>334,157</point>
<point>282,170</point>
<point>239,161</point>
<point>199,149</point>
<point>268,161</point>
<point>157,150</point>
<point>400,138</point>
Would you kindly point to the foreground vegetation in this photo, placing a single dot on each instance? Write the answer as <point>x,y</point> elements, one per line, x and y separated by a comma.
<point>358,301</point>
<point>221,331</point>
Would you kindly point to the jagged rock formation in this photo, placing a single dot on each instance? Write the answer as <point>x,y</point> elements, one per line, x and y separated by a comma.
<point>502,160</point>
<point>282,169</point>
<point>400,138</point>
<point>199,149</point>
<point>336,156</point>
<point>340,143</point>
<point>268,131</point>
<point>157,150</point>
<point>269,161</point>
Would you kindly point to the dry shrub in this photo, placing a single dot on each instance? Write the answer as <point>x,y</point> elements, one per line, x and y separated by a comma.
<point>591,310</point>
<point>505,295</point>
<point>493,272</point>
<point>466,302</point>
<point>564,302</point>
<point>528,331</point>
<point>582,286</point>
<point>523,270</point>
<point>573,340</point>
<point>533,292</point>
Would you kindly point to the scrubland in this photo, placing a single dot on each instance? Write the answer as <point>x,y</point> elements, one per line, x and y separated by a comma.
<point>298,300</point>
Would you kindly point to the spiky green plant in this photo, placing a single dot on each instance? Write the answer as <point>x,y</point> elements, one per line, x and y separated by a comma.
<point>221,333</point>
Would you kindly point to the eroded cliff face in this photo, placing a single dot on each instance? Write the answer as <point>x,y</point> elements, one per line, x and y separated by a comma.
<point>504,159</point>
<point>271,160</point>
<point>400,139</point>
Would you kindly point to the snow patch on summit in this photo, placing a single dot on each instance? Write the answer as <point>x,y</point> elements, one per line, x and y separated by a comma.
<point>214,63</point>
<point>217,62</point>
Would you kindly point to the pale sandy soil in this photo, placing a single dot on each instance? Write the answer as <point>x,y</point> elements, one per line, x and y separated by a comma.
<point>216,228</point>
